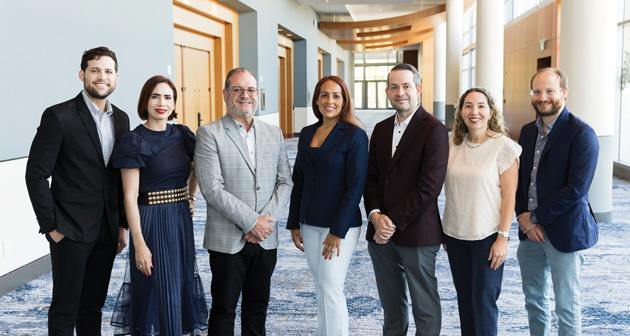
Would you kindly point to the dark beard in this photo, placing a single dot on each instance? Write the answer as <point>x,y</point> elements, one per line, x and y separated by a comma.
<point>93,94</point>
<point>555,108</point>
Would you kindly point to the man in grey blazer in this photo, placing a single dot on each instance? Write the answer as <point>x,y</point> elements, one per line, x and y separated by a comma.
<point>244,174</point>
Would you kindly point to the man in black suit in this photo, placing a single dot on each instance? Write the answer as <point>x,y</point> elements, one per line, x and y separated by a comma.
<point>81,212</point>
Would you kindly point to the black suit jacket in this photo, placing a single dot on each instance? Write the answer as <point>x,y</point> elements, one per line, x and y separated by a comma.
<point>83,191</point>
<point>405,187</point>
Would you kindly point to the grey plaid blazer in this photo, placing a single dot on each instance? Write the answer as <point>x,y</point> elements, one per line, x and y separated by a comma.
<point>235,192</point>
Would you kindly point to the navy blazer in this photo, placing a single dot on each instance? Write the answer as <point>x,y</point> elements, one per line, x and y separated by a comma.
<point>327,190</point>
<point>565,172</point>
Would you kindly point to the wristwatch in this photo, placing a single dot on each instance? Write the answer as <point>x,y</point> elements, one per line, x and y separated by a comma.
<point>532,218</point>
<point>506,235</point>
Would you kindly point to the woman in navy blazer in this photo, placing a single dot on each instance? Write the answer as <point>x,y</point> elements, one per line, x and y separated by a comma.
<point>324,216</point>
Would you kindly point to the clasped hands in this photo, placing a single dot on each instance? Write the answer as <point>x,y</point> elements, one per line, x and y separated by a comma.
<point>533,231</point>
<point>261,230</point>
<point>384,227</point>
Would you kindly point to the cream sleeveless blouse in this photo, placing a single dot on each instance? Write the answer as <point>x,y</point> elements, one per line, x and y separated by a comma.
<point>473,187</point>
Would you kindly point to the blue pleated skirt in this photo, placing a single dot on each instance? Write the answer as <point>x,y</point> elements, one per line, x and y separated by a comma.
<point>171,302</point>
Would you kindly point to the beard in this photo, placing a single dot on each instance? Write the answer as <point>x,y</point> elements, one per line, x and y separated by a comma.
<point>236,110</point>
<point>556,105</point>
<point>91,91</point>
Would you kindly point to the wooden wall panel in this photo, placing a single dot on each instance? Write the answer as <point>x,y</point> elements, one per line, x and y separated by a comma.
<point>522,51</point>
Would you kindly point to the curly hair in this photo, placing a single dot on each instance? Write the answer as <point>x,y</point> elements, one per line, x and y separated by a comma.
<point>495,123</point>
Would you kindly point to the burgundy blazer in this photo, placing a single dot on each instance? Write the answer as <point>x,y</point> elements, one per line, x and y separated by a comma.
<point>405,187</point>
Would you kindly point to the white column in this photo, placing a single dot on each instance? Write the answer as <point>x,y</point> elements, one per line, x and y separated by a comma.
<point>489,64</point>
<point>454,19</point>
<point>588,49</point>
<point>439,70</point>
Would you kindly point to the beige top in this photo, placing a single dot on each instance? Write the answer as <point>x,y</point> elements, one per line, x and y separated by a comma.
<point>473,186</point>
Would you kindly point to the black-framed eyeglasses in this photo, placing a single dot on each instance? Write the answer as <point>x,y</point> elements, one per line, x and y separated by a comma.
<point>252,92</point>
<point>548,92</point>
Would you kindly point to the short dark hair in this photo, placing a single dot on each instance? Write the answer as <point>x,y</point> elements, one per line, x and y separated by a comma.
<point>564,82</point>
<point>346,115</point>
<point>406,66</point>
<point>235,71</point>
<point>96,53</point>
<point>145,94</point>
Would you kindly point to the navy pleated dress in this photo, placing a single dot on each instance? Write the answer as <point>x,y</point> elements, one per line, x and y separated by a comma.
<point>171,301</point>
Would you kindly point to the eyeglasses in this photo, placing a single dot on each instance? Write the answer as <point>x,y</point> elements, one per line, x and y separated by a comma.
<point>252,92</point>
<point>538,93</point>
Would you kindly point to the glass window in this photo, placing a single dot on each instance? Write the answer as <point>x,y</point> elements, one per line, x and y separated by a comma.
<point>358,73</point>
<point>382,96</point>
<point>392,57</point>
<point>371,95</point>
<point>371,78</point>
<point>376,58</point>
<point>358,95</point>
<point>370,72</point>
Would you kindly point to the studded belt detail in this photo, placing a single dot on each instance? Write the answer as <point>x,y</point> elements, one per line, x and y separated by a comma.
<point>163,196</point>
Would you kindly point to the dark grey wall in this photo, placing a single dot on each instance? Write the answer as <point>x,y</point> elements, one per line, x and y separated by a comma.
<point>42,42</point>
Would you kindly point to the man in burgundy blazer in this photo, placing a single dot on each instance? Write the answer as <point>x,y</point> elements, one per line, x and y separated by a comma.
<point>408,156</point>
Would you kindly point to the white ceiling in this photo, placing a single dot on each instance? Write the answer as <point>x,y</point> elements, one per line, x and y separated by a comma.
<point>363,10</point>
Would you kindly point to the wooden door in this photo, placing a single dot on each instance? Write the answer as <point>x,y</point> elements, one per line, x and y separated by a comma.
<point>196,87</point>
<point>285,87</point>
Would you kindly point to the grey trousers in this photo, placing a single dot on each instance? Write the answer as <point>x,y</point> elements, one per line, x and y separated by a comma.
<point>397,268</point>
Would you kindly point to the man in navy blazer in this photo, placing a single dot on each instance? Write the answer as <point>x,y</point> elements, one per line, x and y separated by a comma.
<point>408,155</point>
<point>556,223</point>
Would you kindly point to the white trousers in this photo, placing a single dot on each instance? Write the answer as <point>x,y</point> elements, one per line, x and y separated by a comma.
<point>329,276</point>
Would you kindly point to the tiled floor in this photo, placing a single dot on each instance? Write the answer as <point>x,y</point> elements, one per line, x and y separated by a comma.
<point>292,311</point>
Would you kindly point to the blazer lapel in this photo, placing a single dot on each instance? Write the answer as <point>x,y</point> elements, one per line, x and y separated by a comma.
<point>231,129</point>
<point>119,124</point>
<point>90,125</point>
<point>331,140</point>
<point>556,131</point>
<point>261,144</point>
<point>415,125</point>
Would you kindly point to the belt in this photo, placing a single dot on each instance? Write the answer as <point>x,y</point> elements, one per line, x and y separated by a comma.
<point>163,196</point>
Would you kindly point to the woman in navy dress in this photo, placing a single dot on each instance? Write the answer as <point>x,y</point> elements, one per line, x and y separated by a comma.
<point>324,217</point>
<point>162,293</point>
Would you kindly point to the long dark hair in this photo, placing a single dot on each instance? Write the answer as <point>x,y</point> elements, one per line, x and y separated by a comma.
<point>346,116</point>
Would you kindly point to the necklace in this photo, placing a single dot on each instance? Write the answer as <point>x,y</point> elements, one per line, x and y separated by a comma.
<point>468,143</point>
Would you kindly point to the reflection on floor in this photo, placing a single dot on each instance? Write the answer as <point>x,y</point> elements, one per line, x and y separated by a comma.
<point>292,310</point>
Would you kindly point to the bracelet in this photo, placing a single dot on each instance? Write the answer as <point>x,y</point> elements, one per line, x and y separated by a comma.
<point>193,197</point>
<point>133,234</point>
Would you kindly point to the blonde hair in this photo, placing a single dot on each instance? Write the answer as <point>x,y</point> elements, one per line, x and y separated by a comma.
<point>495,123</point>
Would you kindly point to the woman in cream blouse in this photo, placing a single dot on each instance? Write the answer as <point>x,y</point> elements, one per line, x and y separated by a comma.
<point>480,188</point>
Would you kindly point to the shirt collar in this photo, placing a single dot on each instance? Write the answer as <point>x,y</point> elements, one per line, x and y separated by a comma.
<point>407,121</point>
<point>92,107</point>
<point>548,127</point>
<point>241,127</point>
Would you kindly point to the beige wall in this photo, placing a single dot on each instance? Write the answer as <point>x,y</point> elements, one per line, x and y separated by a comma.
<point>427,73</point>
<point>522,51</point>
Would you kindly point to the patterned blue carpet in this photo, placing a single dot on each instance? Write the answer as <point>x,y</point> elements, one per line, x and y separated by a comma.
<point>292,311</point>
